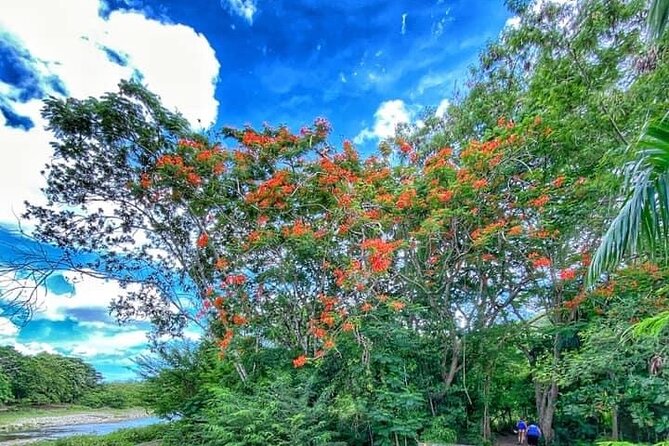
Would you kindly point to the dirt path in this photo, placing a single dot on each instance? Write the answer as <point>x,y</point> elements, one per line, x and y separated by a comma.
<point>507,440</point>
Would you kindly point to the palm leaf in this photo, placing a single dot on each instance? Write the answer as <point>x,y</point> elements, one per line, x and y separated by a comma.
<point>642,223</point>
<point>658,15</point>
<point>652,326</point>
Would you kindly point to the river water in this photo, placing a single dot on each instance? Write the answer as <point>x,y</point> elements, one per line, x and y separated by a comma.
<point>54,432</point>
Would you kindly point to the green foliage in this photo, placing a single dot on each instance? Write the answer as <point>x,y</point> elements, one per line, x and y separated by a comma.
<point>5,388</point>
<point>46,378</point>
<point>642,225</point>
<point>658,16</point>
<point>118,395</point>
<point>123,437</point>
<point>652,326</point>
<point>439,432</point>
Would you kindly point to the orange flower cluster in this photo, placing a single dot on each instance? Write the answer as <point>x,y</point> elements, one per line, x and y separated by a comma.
<point>373,176</point>
<point>254,236</point>
<point>273,192</point>
<point>203,240</point>
<point>487,230</point>
<point>235,279</point>
<point>333,173</point>
<point>515,230</point>
<point>397,305</point>
<point>238,319</point>
<point>298,229</point>
<point>190,143</point>
<point>406,199</point>
<point>251,138</point>
<point>439,160</point>
<point>169,160</point>
<point>480,184</point>
<point>145,180</point>
<point>187,172</point>
<point>405,147</point>
<point>225,341</point>
<point>576,301</point>
<point>541,234</point>
<point>318,332</point>
<point>559,181</point>
<point>221,264</point>
<point>328,302</point>
<point>505,123</point>
<point>341,276</point>
<point>381,253</point>
<point>350,153</point>
<point>540,201</point>
<point>568,274</point>
<point>300,361</point>
<point>539,261</point>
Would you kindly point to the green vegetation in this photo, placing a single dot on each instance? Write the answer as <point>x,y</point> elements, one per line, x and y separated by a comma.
<point>435,290</point>
<point>123,437</point>
<point>49,379</point>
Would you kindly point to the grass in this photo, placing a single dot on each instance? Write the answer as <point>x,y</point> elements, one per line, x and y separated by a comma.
<point>145,436</point>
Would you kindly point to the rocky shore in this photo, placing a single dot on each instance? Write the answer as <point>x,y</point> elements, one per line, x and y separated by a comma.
<point>85,417</point>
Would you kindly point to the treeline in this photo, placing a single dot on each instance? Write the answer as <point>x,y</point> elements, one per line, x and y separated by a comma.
<point>47,378</point>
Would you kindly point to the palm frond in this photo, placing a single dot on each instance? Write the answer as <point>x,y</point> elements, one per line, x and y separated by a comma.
<point>651,326</point>
<point>658,15</point>
<point>643,221</point>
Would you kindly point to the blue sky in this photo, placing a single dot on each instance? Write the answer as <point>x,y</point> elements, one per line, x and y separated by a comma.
<point>366,65</point>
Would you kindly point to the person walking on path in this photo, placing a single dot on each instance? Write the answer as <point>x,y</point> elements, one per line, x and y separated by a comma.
<point>521,427</point>
<point>533,435</point>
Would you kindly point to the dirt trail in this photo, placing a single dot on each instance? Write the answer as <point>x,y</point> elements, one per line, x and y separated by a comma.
<point>507,440</point>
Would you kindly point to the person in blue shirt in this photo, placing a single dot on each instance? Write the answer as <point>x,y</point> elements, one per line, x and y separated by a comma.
<point>533,435</point>
<point>521,427</point>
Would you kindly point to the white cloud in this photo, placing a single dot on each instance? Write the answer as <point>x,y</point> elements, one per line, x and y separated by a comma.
<point>101,343</point>
<point>89,292</point>
<point>512,22</point>
<point>404,23</point>
<point>442,107</point>
<point>69,42</point>
<point>33,348</point>
<point>246,9</point>
<point>387,117</point>
<point>7,328</point>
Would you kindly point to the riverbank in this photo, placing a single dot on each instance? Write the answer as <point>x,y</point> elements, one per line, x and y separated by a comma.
<point>39,418</point>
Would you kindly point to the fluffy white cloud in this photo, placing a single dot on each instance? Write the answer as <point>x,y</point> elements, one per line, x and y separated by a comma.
<point>442,107</point>
<point>512,22</point>
<point>386,118</point>
<point>244,8</point>
<point>67,44</point>
<point>33,348</point>
<point>101,343</point>
<point>90,293</point>
<point>7,328</point>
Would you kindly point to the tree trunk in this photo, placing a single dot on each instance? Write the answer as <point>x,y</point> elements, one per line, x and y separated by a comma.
<point>449,376</point>
<point>487,434</point>
<point>614,424</point>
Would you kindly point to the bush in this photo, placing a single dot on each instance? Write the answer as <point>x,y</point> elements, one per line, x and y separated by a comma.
<point>123,437</point>
<point>438,432</point>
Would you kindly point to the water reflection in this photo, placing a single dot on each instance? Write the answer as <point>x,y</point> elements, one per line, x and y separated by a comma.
<point>54,432</point>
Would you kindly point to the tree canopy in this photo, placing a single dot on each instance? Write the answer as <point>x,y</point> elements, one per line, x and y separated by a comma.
<point>432,290</point>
